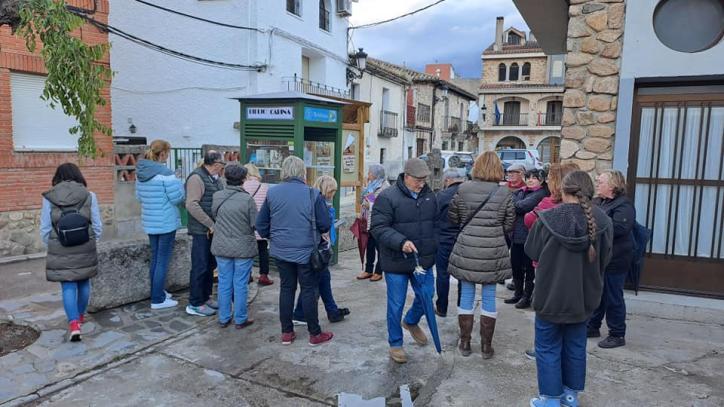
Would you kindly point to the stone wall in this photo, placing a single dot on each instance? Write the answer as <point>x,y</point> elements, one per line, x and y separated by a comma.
<point>595,39</point>
<point>123,272</point>
<point>538,69</point>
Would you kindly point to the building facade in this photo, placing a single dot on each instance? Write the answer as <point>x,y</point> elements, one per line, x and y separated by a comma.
<point>645,96</point>
<point>521,95</point>
<point>267,46</point>
<point>385,138</point>
<point>34,140</point>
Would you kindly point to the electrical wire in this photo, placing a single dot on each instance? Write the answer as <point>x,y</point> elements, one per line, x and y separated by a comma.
<point>163,91</point>
<point>395,18</point>
<point>159,48</point>
<point>240,27</point>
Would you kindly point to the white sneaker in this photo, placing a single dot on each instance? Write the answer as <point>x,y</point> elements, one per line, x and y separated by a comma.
<point>169,303</point>
<point>168,295</point>
<point>297,322</point>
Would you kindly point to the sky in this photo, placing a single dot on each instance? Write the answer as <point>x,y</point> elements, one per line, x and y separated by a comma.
<point>455,31</point>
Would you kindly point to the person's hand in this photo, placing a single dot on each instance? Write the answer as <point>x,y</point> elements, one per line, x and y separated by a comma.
<point>210,233</point>
<point>325,236</point>
<point>409,247</point>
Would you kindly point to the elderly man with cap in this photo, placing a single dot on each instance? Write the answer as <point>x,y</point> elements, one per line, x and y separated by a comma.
<point>403,224</point>
<point>201,185</point>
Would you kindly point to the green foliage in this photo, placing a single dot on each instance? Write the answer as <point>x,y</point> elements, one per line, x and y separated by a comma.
<point>75,78</point>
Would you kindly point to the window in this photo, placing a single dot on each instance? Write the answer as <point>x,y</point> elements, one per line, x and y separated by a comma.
<point>511,114</point>
<point>689,25</point>
<point>409,152</point>
<point>37,126</point>
<point>444,145</point>
<point>295,7</point>
<point>385,99</point>
<point>382,155</point>
<point>423,113</point>
<point>549,149</point>
<point>526,71</point>
<point>461,144</point>
<point>355,91</point>
<point>513,39</point>
<point>323,15</point>
<point>502,71</point>
<point>554,113</point>
<point>513,76</point>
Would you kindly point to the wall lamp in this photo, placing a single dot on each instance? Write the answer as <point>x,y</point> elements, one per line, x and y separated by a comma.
<point>360,58</point>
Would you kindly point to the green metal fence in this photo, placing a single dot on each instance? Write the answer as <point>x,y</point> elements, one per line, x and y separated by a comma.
<point>183,161</point>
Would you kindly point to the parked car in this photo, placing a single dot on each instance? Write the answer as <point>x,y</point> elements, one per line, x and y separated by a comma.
<point>530,158</point>
<point>460,160</point>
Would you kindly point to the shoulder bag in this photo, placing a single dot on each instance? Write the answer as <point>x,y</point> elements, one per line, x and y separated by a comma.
<point>321,252</point>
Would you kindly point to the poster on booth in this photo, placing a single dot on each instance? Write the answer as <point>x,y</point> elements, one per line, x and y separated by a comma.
<point>350,157</point>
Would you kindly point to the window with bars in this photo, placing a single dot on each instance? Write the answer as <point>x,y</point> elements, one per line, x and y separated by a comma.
<point>423,113</point>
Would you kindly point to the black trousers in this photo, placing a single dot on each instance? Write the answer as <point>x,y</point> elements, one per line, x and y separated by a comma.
<point>523,271</point>
<point>263,247</point>
<point>308,279</point>
<point>203,263</point>
<point>370,255</point>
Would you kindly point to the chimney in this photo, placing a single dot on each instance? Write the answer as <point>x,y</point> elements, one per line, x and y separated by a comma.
<point>499,22</point>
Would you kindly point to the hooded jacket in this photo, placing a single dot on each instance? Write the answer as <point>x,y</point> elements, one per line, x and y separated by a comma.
<point>159,192</point>
<point>480,254</point>
<point>73,263</point>
<point>398,216</point>
<point>568,287</point>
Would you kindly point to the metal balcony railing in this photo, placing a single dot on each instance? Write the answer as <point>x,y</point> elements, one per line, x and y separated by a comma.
<point>298,84</point>
<point>388,124</point>
<point>508,119</point>
<point>550,118</point>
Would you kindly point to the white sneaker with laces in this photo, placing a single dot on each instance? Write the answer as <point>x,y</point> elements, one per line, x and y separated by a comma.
<point>169,303</point>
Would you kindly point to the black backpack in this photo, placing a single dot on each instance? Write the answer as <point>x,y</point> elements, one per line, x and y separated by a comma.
<point>72,228</point>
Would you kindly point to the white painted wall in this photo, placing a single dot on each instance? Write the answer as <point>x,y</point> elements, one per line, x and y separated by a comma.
<point>644,56</point>
<point>371,88</point>
<point>188,104</point>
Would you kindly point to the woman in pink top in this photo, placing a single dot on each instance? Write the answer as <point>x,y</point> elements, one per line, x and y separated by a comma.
<point>258,191</point>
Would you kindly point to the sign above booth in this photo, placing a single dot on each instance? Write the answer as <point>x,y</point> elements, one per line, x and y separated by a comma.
<point>270,113</point>
<point>318,114</point>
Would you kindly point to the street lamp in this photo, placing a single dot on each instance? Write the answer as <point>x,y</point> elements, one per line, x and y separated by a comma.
<point>360,58</point>
<point>484,110</point>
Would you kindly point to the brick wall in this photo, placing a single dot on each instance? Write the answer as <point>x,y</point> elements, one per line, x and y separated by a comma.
<point>25,175</point>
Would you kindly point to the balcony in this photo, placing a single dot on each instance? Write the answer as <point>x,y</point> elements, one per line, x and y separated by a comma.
<point>455,125</point>
<point>550,118</point>
<point>388,124</point>
<point>295,83</point>
<point>511,119</point>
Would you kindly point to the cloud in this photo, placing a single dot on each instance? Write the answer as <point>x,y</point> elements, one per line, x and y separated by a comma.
<point>456,31</point>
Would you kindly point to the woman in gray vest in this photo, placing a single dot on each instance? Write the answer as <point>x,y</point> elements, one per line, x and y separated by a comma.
<point>71,261</point>
<point>234,246</point>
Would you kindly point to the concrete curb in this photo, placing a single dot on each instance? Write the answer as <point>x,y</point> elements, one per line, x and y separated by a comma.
<point>24,257</point>
<point>677,307</point>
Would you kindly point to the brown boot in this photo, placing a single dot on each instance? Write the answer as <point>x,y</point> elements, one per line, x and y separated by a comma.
<point>487,328</point>
<point>466,328</point>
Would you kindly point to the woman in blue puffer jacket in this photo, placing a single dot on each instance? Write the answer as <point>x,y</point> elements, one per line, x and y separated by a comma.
<point>159,192</point>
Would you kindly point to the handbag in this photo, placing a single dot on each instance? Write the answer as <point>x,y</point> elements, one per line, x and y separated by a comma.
<point>321,252</point>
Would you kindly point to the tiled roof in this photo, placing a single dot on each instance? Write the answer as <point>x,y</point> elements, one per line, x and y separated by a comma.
<point>530,46</point>
<point>508,85</point>
<point>416,76</point>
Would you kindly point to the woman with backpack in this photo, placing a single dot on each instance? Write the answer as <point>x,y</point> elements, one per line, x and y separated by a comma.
<point>484,211</point>
<point>70,225</point>
<point>611,191</point>
<point>234,246</point>
<point>159,192</point>
<point>572,245</point>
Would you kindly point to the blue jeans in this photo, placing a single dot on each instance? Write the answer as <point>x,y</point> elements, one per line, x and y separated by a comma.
<point>612,306</point>
<point>161,251</point>
<point>233,283</point>
<point>308,279</point>
<point>75,298</point>
<point>560,355</point>
<point>442,278</point>
<point>325,292</point>
<point>396,296</point>
<point>201,281</point>
<point>467,299</point>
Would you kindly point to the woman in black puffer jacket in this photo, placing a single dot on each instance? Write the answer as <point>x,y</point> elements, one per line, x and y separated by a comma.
<point>611,191</point>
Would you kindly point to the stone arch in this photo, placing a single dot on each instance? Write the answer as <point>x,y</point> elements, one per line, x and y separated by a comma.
<point>509,142</point>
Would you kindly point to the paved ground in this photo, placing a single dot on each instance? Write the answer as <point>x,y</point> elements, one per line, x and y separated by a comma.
<point>131,356</point>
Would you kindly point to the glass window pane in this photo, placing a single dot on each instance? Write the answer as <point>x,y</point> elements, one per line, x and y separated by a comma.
<point>714,145</point>
<point>319,159</point>
<point>691,143</point>
<point>648,117</point>
<point>268,155</point>
<point>667,143</point>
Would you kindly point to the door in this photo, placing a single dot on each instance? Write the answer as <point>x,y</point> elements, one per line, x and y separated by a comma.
<point>677,184</point>
<point>420,146</point>
<point>305,68</point>
<point>511,114</point>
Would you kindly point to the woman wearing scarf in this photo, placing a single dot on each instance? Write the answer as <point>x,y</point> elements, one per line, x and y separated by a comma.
<point>376,182</point>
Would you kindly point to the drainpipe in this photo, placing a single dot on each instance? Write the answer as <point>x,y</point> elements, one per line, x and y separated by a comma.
<point>432,119</point>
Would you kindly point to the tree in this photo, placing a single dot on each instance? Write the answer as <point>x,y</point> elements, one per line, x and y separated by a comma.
<point>75,78</point>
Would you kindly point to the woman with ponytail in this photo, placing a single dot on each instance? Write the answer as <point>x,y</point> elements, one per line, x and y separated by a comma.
<point>159,192</point>
<point>572,245</point>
